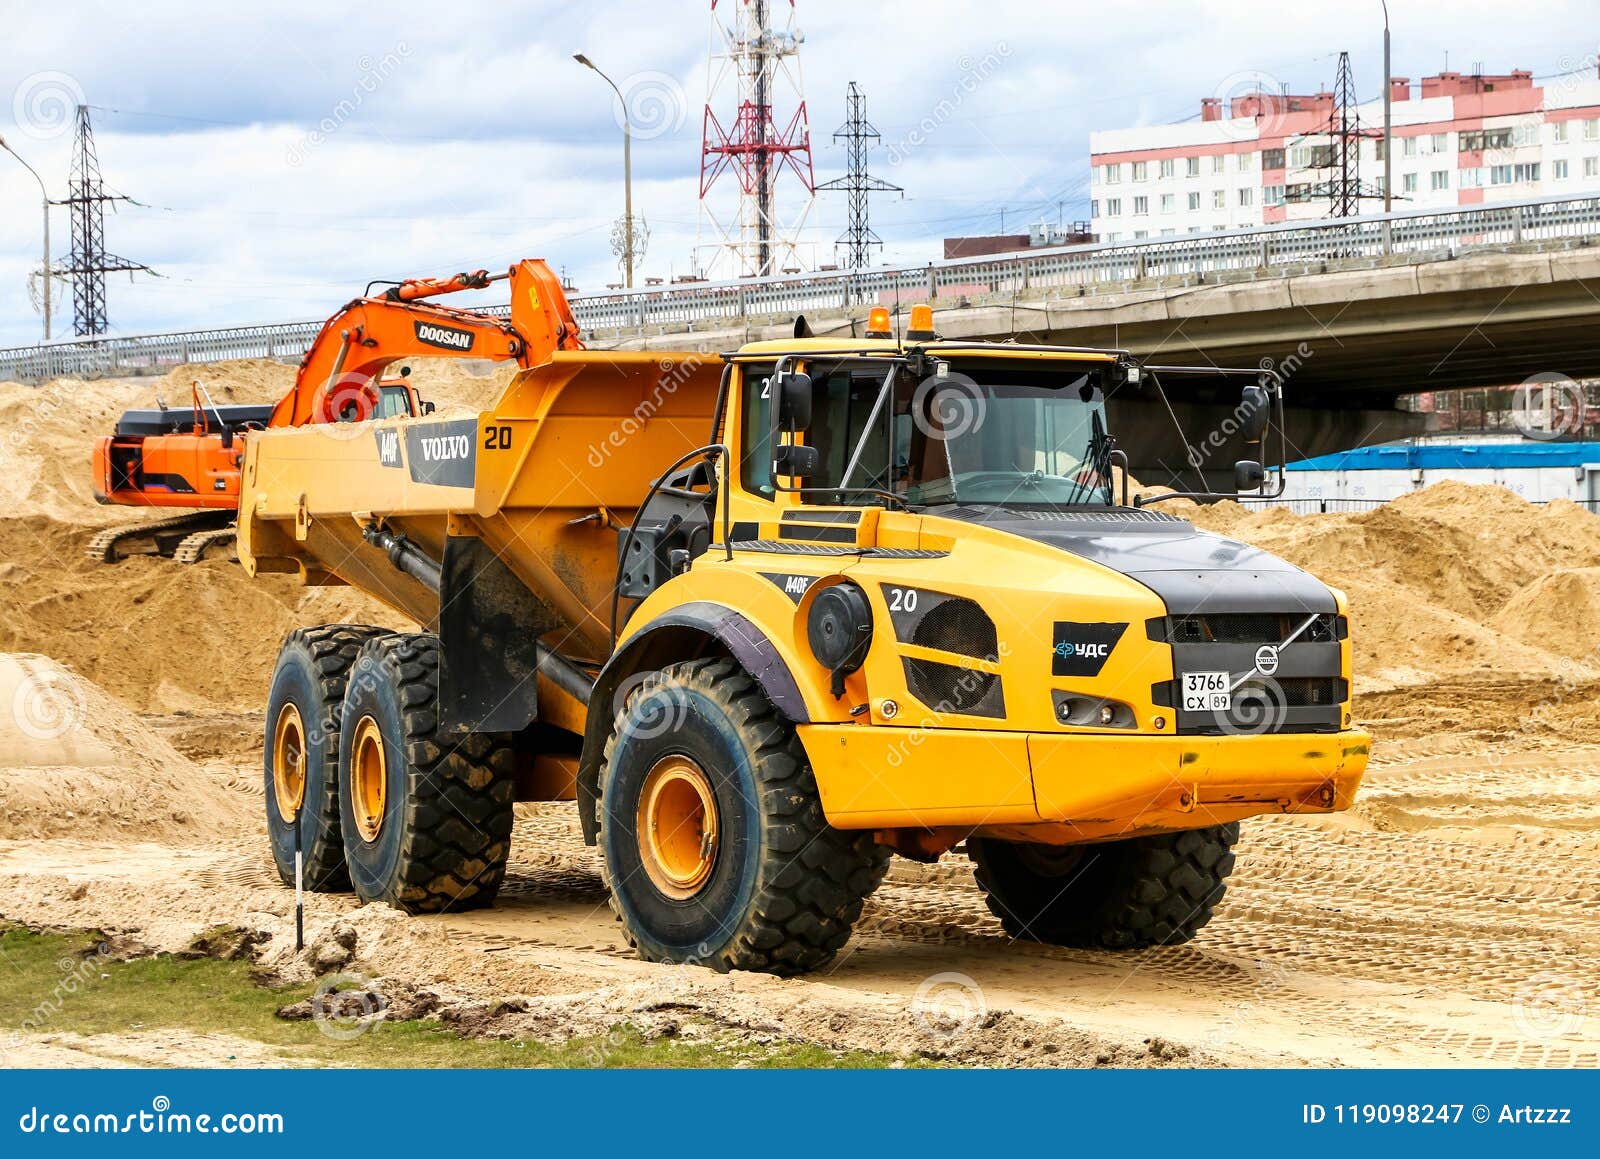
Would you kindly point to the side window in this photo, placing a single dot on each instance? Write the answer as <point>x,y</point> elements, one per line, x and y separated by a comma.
<point>393,402</point>
<point>755,470</point>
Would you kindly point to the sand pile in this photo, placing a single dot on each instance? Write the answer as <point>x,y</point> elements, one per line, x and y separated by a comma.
<point>74,762</point>
<point>1450,581</point>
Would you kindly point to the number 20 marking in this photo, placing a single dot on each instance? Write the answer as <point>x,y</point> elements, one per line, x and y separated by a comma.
<point>902,599</point>
<point>497,438</point>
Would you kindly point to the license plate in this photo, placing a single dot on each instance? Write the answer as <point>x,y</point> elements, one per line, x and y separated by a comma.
<point>1206,692</point>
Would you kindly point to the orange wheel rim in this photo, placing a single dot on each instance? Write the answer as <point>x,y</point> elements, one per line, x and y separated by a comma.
<point>677,826</point>
<point>369,779</point>
<point>289,762</point>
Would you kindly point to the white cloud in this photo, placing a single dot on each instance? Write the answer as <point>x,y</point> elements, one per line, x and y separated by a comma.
<point>465,135</point>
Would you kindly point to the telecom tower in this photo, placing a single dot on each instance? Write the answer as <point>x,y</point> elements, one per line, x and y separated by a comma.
<point>859,135</point>
<point>757,67</point>
<point>89,263</point>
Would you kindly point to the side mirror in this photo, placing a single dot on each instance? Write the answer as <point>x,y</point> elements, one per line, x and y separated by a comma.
<point>794,401</point>
<point>1248,475</point>
<point>227,439</point>
<point>428,407</point>
<point>1255,408</point>
<point>796,461</point>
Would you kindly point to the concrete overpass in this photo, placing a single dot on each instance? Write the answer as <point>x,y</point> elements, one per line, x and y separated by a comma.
<point>1354,312</point>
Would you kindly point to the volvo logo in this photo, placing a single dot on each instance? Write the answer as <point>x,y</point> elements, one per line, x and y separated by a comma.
<point>1267,659</point>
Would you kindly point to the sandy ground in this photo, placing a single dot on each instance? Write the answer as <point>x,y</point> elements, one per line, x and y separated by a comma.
<point>1452,918</point>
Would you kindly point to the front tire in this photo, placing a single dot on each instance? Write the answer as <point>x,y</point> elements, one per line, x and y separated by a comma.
<point>714,846</point>
<point>301,751</point>
<point>1118,895</point>
<point>426,817</point>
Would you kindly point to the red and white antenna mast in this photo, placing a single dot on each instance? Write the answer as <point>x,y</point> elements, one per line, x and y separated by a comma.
<point>754,68</point>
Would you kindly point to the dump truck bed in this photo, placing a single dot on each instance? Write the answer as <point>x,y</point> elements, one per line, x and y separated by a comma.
<point>543,477</point>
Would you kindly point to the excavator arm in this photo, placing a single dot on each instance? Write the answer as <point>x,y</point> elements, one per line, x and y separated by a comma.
<point>339,376</point>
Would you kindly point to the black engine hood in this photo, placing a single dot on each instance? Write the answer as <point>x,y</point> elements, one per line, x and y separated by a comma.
<point>1192,571</point>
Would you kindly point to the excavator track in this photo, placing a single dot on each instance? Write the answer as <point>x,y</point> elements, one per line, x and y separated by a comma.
<point>159,537</point>
<point>193,548</point>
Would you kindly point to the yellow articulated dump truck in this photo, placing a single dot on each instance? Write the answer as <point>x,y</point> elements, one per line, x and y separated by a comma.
<point>772,616</point>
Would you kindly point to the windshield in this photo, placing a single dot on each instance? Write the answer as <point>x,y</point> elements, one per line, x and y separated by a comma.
<point>393,401</point>
<point>983,432</point>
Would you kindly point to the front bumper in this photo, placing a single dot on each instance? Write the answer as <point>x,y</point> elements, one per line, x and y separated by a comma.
<point>1085,786</point>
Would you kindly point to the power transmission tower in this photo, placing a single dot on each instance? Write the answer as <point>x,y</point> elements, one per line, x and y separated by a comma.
<point>90,263</point>
<point>859,135</point>
<point>1344,189</point>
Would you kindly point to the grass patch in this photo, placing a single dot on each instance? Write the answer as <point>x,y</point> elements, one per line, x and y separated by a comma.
<point>55,983</point>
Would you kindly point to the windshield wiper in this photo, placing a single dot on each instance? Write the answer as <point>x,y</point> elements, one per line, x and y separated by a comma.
<point>1096,457</point>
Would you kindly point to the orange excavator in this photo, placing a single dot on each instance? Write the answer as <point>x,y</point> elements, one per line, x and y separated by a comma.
<point>189,458</point>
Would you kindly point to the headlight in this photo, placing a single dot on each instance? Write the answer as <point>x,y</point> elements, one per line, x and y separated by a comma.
<point>839,630</point>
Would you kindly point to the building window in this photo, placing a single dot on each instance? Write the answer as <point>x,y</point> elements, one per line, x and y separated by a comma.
<point>1194,202</point>
<point>1168,203</point>
<point>1591,130</point>
<point>1481,139</point>
<point>1272,158</point>
<point>1408,147</point>
<point>1113,174</point>
<point>1113,237</point>
<point>1217,162</point>
<point>1500,175</point>
<point>1529,172</point>
<point>1408,183</point>
<point>1219,199</point>
<point>1470,178</point>
<point>1247,162</point>
<point>1525,133</point>
<point>1441,142</point>
<point>1114,207</point>
<point>1298,193</point>
<point>1559,132</point>
<point>1141,170</point>
<point>1558,170</point>
<point>1312,156</point>
<point>1272,195</point>
<point>1141,206</point>
<point>1094,208</point>
<point>1192,167</point>
<point>1140,234</point>
<point>1591,166</point>
<point>1169,168</point>
<point>1246,198</point>
<point>1441,179</point>
<point>1168,232</point>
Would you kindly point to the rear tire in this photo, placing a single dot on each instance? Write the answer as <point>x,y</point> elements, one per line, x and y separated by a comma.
<point>763,882</point>
<point>426,818</point>
<point>301,750</point>
<point>1118,895</point>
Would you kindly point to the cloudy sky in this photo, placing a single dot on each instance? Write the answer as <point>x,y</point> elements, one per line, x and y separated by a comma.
<point>284,154</point>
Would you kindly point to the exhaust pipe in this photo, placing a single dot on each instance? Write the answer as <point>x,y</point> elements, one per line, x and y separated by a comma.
<point>409,558</point>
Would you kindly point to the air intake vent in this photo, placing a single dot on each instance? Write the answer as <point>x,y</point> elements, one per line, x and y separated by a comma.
<point>949,688</point>
<point>956,625</point>
<point>1247,628</point>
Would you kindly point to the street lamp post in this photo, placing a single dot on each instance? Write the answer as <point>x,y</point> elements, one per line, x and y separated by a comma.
<point>627,171</point>
<point>1388,135</point>
<point>45,196</point>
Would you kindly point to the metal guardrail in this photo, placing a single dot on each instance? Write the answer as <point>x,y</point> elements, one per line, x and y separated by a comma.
<point>1271,248</point>
<point>1345,506</point>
